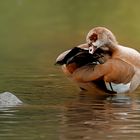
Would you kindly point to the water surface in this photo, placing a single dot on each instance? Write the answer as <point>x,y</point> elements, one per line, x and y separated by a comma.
<point>32,34</point>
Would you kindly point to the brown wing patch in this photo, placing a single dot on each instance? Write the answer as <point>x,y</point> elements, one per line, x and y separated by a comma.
<point>119,71</point>
<point>114,70</point>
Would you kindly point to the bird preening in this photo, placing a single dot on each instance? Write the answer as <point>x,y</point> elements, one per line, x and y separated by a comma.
<point>102,63</point>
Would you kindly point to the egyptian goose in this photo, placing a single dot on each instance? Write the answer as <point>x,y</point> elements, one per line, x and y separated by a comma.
<point>78,57</point>
<point>122,69</point>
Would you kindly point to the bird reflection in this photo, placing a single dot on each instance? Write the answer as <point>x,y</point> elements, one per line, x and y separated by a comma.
<point>92,116</point>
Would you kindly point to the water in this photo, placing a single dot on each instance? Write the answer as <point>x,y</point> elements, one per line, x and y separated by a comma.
<point>32,34</point>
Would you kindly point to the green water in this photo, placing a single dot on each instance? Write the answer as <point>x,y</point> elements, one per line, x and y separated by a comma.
<point>32,34</point>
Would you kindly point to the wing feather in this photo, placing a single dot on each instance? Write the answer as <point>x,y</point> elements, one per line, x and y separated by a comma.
<point>113,70</point>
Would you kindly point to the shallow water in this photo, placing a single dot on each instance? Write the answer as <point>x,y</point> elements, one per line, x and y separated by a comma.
<point>32,34</point>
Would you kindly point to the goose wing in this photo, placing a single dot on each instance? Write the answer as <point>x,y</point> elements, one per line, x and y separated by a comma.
<point>114,70</point>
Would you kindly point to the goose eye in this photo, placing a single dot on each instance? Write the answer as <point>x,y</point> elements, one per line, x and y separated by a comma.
<point>93,37</point>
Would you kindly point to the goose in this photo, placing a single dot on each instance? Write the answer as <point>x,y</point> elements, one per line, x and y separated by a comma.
<point>121,70</point>
<point>78,57</point>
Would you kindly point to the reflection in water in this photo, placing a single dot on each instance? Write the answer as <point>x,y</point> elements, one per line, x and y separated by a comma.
<point>91,118</point>
<point>84,117</point>
<point>29,122</point>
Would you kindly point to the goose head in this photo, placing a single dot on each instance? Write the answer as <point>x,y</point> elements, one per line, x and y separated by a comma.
<point>100,37</point>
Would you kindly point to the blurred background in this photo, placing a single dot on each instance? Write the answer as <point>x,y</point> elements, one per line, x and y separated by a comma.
<point>32,34</point>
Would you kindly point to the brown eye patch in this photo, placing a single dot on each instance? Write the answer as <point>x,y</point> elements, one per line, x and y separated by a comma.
<point>93,37</point>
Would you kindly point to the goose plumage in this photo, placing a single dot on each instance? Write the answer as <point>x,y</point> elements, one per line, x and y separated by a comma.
<point>120,70</point>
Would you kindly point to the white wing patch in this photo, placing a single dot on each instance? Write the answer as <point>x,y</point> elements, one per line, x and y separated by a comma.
<point>119,88</point>
<point>62,55</point>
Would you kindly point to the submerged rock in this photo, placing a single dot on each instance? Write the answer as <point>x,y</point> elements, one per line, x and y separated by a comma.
<point>9,99</point>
